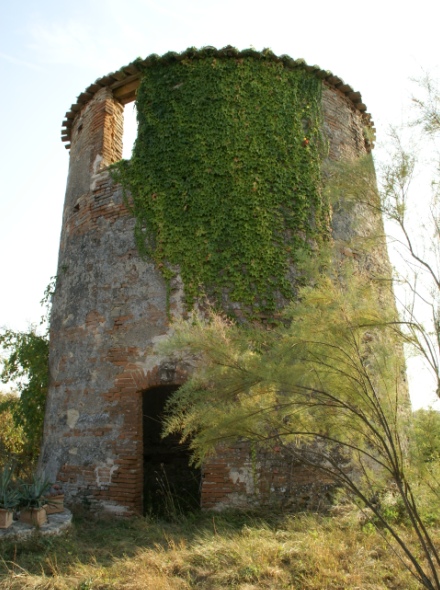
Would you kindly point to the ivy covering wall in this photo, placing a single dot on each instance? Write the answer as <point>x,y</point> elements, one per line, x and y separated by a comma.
<point>224,181</point>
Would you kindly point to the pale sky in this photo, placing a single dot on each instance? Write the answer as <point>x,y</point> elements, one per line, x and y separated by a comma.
<point>50,51</point>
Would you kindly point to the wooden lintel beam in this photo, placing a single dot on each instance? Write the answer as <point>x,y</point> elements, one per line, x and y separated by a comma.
<point>127,80</point>
<point>127,93</point>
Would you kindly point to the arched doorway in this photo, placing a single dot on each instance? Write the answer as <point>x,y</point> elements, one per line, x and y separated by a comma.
<point>171,486</point>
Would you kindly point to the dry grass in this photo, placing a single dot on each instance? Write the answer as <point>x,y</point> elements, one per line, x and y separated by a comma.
<point>304,552</point>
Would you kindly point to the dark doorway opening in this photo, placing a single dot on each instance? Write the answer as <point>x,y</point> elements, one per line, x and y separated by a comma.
<point>171,486</point>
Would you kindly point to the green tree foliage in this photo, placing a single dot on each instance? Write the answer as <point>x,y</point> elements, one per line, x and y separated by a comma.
<point>25,363</point>
<point>325,386</point>
<point>333,321</point>
<point>12,442</point>
<point>426,435</point>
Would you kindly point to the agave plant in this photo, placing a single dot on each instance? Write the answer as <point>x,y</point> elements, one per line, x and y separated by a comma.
<point>33,494</point>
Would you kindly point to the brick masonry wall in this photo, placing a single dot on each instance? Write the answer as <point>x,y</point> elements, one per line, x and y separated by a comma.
<point>109,311</point>
<point>242,477</point>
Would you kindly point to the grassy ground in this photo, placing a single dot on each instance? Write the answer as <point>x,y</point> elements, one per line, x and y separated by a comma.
<point>212,551</point>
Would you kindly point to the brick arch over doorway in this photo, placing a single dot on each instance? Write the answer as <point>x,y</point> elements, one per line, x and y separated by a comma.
<point>127,396</point>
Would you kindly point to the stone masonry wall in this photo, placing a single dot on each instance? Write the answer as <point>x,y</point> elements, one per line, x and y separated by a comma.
<point>239,477</point>
<point>109,311</point>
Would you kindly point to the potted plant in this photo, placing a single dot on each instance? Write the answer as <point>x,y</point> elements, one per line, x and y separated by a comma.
<point>32,501</point>
<point>55,499</point>
<point>8,498</point>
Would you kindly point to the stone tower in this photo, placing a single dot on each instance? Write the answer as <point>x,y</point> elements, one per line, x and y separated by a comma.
<point>108,386</point>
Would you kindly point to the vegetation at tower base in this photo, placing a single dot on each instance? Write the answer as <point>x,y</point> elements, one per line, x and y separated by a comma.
<point>324,389</point>
<point>329,376</point>
<point>225,180</point>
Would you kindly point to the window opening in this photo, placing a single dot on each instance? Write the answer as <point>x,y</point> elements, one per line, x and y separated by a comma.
<point>129,133</point>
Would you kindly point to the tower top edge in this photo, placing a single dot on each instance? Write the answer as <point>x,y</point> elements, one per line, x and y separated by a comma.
<point>124,82</point>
